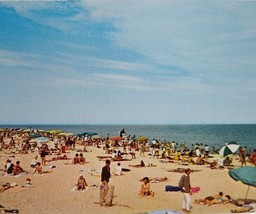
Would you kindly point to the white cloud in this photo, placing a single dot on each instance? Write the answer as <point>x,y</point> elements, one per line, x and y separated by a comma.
<point>196,36</point>
<point>13,58</point>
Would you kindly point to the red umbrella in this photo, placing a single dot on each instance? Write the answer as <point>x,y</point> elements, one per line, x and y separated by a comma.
<point>116,138</point>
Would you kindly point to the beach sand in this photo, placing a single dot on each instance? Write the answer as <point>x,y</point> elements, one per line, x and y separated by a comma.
<point>51,193</point>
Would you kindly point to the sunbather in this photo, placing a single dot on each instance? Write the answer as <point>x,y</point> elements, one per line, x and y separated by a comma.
<point>208,199</point>
<point>245,208</point>
<point>39,169</point>
<point>220,200</point>
<point>81,183</point>
<point>145,188</point>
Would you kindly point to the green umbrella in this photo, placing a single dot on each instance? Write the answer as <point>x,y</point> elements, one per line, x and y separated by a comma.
<point>246,175</point>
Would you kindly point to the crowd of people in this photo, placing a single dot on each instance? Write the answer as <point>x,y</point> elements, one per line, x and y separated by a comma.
<point>19,142</point>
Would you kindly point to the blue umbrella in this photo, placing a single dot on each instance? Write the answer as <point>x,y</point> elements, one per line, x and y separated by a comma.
<point>41,139</point>
<point>246,174</point>
<point>35,136</point>
<point>88,134</point>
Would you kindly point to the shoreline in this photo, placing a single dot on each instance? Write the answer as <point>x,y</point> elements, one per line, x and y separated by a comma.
<point>51,193</point>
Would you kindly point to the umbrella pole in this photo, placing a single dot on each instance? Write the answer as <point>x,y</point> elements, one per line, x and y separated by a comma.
<point>247,192</point>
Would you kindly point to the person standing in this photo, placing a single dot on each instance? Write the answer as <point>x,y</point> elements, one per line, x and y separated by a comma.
<point>242,154</point>
<point>185,186</point>
<point>253,158</point>
<point>105,176</point>
<point>43,154</point>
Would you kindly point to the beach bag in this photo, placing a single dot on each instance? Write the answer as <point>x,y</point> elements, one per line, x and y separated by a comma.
<point>169,188</point>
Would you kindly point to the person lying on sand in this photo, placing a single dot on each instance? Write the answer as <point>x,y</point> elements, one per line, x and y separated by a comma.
<point>39,169</point>
<point>208,199</point>
<point>4,187</point>
<point>7,186</point>
<point>145,188</point>
<point>220,200</point>
<point>81,183</point>
<point>156,180</point>
<point>142,164</point>
<point>245,208</point>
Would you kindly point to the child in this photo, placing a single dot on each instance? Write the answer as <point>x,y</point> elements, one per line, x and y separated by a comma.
<point>28,183</point>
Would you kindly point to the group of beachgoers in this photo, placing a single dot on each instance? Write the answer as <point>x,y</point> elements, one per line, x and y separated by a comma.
<point>20,142</point>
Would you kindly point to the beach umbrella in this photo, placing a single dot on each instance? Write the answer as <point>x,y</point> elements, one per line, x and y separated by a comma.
<point>229,148</point>
<point>35,136</point>
<point>65,134</point>
<point>116,138</point>
<point>55,131</point>
<point>141,138</point>
<point>41,139</point>
<point>89,134</point>
<point>95,137</point>
<point>246,175</point>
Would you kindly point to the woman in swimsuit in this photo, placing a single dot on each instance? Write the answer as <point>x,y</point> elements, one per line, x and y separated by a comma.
<point>81,183</point>
<point>145,188</point>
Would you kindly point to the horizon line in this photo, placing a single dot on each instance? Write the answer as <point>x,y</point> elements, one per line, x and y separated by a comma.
<point>118,124</point>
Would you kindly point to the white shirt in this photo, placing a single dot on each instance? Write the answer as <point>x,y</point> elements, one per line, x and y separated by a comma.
<point>118,170</point>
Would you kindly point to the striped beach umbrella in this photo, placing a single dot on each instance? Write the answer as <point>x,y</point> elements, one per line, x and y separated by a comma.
<point>229,148</point>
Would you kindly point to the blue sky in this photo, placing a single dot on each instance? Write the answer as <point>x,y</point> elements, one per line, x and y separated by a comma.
<point>127,62</point>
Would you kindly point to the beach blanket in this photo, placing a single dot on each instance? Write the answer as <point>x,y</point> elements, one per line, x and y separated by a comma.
<point>90,171</point>
<point>125,170</point>
<point>169,188</point>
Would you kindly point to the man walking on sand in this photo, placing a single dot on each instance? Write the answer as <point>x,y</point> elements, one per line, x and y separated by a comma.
<point>105,176</point>
<point>185,186</point>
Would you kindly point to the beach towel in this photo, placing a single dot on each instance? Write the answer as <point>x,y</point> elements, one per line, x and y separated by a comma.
<point>195,189</point>
<point>13,176</point>
<point>169,188</point>
<point>74,189</point>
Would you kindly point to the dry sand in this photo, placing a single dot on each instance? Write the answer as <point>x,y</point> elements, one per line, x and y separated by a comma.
<point>52,192</point>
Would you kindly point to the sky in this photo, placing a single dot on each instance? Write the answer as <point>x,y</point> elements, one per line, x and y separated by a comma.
<point>127,62</point>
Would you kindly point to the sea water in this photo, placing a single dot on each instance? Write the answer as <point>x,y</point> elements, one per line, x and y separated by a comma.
<point>212,135</point>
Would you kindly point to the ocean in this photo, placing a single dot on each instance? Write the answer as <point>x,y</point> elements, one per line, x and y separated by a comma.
<point>212,135</point>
